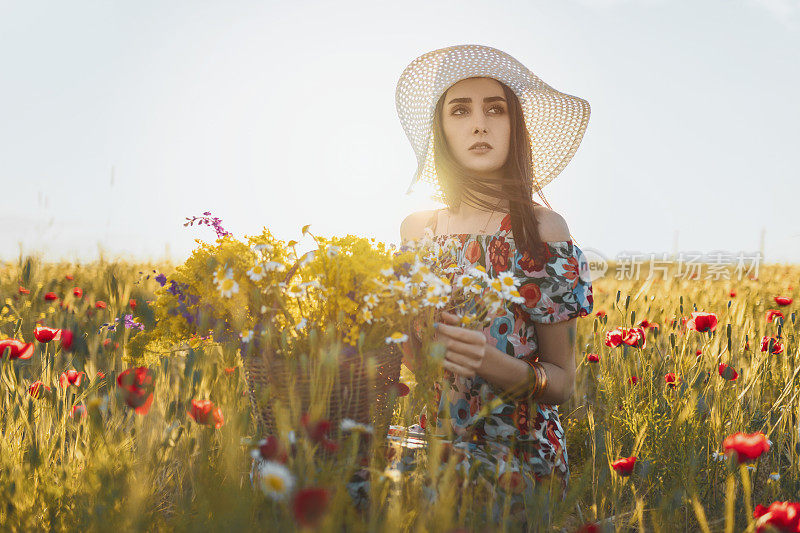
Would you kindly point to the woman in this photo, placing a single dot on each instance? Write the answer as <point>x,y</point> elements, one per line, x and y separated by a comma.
<point>495,135</point>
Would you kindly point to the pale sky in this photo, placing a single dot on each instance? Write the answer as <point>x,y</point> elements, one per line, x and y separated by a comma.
<point>120,119</point>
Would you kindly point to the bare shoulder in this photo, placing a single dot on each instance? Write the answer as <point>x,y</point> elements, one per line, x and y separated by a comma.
<point>552,226</point>
<point>413,224</point>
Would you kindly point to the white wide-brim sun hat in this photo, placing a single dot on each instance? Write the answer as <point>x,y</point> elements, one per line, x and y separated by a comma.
<point>555,121</point>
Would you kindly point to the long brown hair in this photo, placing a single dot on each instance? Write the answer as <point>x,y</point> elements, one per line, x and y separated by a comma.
<point>517,187</point>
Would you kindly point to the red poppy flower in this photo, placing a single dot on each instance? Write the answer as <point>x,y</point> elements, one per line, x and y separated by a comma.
<point>633,380</point>
<point>273,450</point>
<point>593,358</point>
<point>772,314</point>
<point>206,413</point>
<point>71,377</point>
<point>614,337</point>
<point>783,300</point>
<point>70,277</point>
<point>50,296</point>
<point>601,313</point>
<point>100,374</point>
<point>671,379</point>
<point>771,344</point>
<point>132,303</point>
<point>727,372</point>
<point>317,429</point>
<point>77,292</point>
<point>698,353</point>
<point>702,322</point>
<point>136,386</point>
<point>23,290</point>
<point>635,337</point>
<point>732,294</point>
<point>100,304</point>
<point>16,349</point>
<point>66,339</point>
<point>589,527</point>
<point>647,324</point>
<point>45,334</point>
<point>107,343</point>
<point>309,505</point>
<point>746,447</point>
<point>624,466</point>
<point>37,389</point>
<point>329,444</point>
<point>230,370</point>
<point>78,410</point>
<point>783,516</point>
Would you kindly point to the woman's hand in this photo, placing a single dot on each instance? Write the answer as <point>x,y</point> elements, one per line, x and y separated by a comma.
<point>466,348</point>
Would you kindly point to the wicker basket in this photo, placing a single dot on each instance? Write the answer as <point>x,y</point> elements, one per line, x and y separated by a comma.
<point>362,387</point>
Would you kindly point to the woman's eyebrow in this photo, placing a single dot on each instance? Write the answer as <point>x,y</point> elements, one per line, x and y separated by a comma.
<point>469,100</point>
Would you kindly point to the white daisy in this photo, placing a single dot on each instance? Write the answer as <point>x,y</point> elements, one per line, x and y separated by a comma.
<point>263,247</point>
<point>263,309</point>
<point>276,480</point>
<point>404,308</point>
<point>365,314</point>
<point>257,273</point>
<point>274,266</point>
<point>348,424</point>
<point>331,250</point>
<point>226,285</point>
<point>718,456</point>
<point>774,476</point>
<point>397,337</point>
<point>300,325</point>
<point>296,291</point>
<point>388,272</point>
<point>307,258</point>
<point>247,335</point>
<point>371,299</point>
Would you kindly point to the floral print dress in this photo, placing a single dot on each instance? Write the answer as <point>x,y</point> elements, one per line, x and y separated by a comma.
<point>557,287</point>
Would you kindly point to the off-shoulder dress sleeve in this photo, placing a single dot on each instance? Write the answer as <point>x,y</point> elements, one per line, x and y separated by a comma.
<point>558,286</point>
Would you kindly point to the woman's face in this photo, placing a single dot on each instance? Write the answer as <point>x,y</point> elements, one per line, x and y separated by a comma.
<point>476,112</point>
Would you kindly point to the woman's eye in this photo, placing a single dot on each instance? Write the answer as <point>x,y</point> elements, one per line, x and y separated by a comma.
<point>456,109</point>
<point>499,109</point>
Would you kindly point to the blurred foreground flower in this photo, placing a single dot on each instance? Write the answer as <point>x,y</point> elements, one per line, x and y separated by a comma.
<point>276,480</point>
<point>136,386</point>
<point>309,505</point>
<point>204,412</point>
<point>783,516</point>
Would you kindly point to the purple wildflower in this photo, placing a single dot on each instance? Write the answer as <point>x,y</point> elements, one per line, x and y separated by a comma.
<point>208,220</point>
<point>161,279</point>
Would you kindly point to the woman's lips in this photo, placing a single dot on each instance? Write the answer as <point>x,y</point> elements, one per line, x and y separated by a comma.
<point>480,149</point>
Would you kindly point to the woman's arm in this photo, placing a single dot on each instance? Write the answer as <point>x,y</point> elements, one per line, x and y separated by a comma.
<point>557,356</point>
